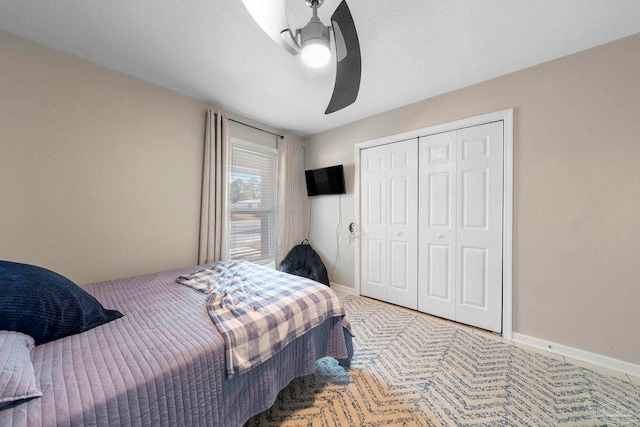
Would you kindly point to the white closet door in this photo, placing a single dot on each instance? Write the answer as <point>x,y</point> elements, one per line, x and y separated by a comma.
<point>479,196</point>
<point>402,229</point>
<point>389,178</point>
<point>437,241</point>
<point>373,229</point>
<point>460,249</point>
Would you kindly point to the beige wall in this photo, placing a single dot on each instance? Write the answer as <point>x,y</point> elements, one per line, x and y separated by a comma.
<point>577,190</point>
<point>100,173</point>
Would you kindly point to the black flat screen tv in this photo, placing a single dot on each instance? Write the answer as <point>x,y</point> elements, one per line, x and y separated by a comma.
<point>325,181</point>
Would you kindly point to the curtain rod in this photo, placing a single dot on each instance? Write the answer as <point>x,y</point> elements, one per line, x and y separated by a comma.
<point>256,128</point>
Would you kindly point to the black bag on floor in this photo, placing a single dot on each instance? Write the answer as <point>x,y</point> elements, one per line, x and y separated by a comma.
<point>303,261</point>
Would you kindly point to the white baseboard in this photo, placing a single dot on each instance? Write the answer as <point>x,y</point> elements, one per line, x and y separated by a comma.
<point>344,289</point>
<point>576,353</point>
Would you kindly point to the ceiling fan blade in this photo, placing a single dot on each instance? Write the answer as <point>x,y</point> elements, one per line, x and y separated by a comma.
<point>271,15</point>
<point>349,63</point>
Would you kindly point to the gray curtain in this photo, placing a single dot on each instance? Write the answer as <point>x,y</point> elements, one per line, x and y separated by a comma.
<point>212,214</point>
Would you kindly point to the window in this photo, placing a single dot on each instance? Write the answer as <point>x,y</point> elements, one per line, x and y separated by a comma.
<point>252,202</point>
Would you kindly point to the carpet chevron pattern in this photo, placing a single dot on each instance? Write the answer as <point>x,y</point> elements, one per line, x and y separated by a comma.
<point>411,369</point>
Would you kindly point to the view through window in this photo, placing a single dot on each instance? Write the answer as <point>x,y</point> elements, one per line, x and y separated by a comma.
<point>252,202</point>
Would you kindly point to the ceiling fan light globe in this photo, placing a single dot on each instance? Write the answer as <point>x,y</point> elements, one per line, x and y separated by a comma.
<point>315,54</point>
<point>314,39</point>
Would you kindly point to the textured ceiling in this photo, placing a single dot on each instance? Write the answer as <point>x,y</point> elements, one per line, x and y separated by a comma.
<point>212,50</point>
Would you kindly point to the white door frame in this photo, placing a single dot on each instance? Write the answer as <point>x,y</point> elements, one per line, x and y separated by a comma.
<point>506,116</point>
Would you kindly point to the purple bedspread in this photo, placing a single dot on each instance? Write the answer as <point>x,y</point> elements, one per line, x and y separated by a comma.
<point>162,364</point>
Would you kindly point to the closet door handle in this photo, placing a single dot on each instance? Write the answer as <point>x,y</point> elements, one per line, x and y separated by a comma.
<point>440,236</point>
<point>399,233</point>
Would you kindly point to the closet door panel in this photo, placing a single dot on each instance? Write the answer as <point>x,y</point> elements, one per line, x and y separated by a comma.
<point>474,198</point>
<point>375,252</point>
<point>439,193</point>
<point>439,278</point>
<point>375,202</point>
<point>402,228</point>
<point>374,205</point>
<point>479,218</point>
<point>474,284</point>
<point>437,234</point>
<point>399,259</point>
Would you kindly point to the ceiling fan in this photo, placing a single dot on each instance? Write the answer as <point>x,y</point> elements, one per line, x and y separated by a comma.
<point>312,42</point>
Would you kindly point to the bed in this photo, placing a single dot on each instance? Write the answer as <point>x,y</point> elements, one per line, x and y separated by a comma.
<point>161,364</point>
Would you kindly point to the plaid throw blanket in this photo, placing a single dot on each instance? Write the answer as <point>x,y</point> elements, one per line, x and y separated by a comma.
<point>258,311</point>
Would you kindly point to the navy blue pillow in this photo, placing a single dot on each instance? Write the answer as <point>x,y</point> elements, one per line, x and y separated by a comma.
<point>46,305</point>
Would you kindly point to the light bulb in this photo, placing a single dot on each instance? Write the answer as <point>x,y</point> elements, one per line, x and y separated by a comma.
<point>315,54</point>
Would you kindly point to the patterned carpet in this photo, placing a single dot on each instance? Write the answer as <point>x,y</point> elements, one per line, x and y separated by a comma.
<point>411,369</point>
